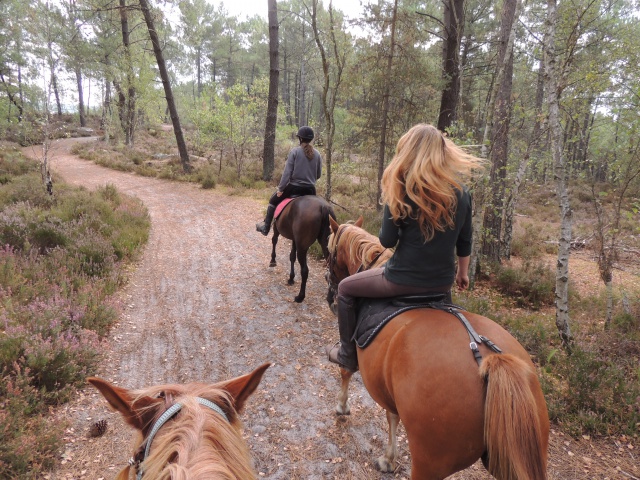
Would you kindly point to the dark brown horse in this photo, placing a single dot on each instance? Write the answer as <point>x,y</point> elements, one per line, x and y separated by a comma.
<point>189,431</point>
<point>303,221</point>
<point>420,369</point>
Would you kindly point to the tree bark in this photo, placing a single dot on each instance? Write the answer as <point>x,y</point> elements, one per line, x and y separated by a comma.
<point>83,121</point>
<point>385,103</point>
<point>129,108</point>
<point>554,90</point>
<point>164,75</point>
<point>268,154</point>
<point>453,28</point>
<point>329,92</point>
<point>492,224</point>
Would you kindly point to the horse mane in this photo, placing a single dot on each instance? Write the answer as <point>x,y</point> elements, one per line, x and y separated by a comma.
<point>201,443</point>
<point>362,247</point>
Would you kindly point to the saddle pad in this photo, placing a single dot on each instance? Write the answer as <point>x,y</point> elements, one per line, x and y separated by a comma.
<point>375,313</point>
<point>281,207</point>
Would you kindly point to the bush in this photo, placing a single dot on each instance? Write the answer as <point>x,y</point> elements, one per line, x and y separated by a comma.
<point>533,284</point>
<point>593,395</point>
<point>60,259</point>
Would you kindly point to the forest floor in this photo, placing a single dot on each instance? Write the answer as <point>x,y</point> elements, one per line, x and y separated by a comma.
<point>202,304</point>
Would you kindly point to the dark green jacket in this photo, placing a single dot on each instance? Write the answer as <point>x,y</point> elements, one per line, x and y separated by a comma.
<point>419,263</point>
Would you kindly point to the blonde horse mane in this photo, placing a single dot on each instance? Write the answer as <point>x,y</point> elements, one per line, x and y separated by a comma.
<point>198,443</point>
<point>363,248</point>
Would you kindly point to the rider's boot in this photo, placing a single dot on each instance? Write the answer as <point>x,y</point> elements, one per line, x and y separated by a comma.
<point>344,352</point>
<point>264,226</point>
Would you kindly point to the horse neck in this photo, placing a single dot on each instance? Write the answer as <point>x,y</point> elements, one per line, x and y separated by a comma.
<point>200,445</point>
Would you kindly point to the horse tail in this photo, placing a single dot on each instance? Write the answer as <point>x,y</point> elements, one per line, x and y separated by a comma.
<point>512,426</point>
<point>325,227</point>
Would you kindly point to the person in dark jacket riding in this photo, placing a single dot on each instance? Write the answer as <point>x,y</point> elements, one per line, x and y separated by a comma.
<point>301,172</point>
<point>427,218</point>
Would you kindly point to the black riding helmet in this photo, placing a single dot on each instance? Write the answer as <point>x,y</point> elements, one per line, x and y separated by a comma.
<point>305,133</point>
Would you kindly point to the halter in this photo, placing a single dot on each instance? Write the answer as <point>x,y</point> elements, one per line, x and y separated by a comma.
<point>136,460</point>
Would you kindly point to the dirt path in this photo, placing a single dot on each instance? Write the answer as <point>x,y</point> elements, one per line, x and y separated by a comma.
<point>203,305</point>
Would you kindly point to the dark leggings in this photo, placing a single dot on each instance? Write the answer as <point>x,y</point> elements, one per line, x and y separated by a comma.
<point>373,284</point>
<point>292,191</point>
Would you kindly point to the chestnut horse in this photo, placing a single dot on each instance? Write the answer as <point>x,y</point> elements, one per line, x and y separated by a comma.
<point>189,431</point>
<point>303,221</point>
<point>421,370</point>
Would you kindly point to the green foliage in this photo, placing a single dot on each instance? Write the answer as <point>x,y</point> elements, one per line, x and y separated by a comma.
<point>593,394</point>
<point>60,260</point>
<point>531,284</point>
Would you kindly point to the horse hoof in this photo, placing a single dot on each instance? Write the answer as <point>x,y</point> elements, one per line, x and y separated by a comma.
<point>290,282</point>
<point>299,299</point>
<point>340,410</point>
<point>384,465</point>
<point>273,264</point>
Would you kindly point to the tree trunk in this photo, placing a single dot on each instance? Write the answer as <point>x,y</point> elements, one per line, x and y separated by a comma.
<point>268,154</point>
<point>199,69</point>
<point>385,103</point>
<point>164,75</point>
<point>11,97</point>
<point>453,28</point>
<point>492,224</point>
<point>83,121</point>
<point>329,92</point>
<point>554,90</point>
<point>129,108</point>
<point>56,92</point>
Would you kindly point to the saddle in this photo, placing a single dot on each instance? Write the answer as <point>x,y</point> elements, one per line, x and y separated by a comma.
<point>281,206</point>
<point>374,313</point>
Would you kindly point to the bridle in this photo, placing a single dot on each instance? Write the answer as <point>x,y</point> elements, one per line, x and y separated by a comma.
<point>143,451</point>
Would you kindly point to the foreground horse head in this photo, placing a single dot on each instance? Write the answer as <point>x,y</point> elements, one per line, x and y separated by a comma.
<point>189,431</point>
<point>303,221</point>
<point>420,369</point>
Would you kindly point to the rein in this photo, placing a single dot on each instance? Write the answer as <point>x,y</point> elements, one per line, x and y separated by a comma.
<point>137,460</point>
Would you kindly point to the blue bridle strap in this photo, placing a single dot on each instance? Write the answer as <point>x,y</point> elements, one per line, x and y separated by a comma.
<point>167,415</point>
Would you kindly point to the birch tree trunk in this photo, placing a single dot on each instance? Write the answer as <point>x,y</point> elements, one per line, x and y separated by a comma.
<point>554,90</point>
<point>268,154</point>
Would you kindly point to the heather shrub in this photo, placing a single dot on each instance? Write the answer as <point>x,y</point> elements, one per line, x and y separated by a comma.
<point>532,284</point>
<point>591,393</point>
<point>61,259</point>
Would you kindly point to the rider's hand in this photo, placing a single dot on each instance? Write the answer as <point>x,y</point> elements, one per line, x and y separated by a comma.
<point>279,193</point>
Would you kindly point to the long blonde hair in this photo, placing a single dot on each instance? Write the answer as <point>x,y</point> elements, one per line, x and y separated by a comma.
<point>427,168</point>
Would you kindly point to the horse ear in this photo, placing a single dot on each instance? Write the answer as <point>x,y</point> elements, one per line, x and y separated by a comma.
<point>334,225</point>
<point>240,388</point>
<point>359,222</point>
<point>137,411</point>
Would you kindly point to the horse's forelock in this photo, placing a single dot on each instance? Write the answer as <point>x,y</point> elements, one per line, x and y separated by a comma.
<point>200,440</point>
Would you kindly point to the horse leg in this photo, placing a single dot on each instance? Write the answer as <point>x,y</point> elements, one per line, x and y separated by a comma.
<point>304,275</point>
<point>387,462</point>
<point>343,397</point>
<point>274,242</point>
<point>292,259</point>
